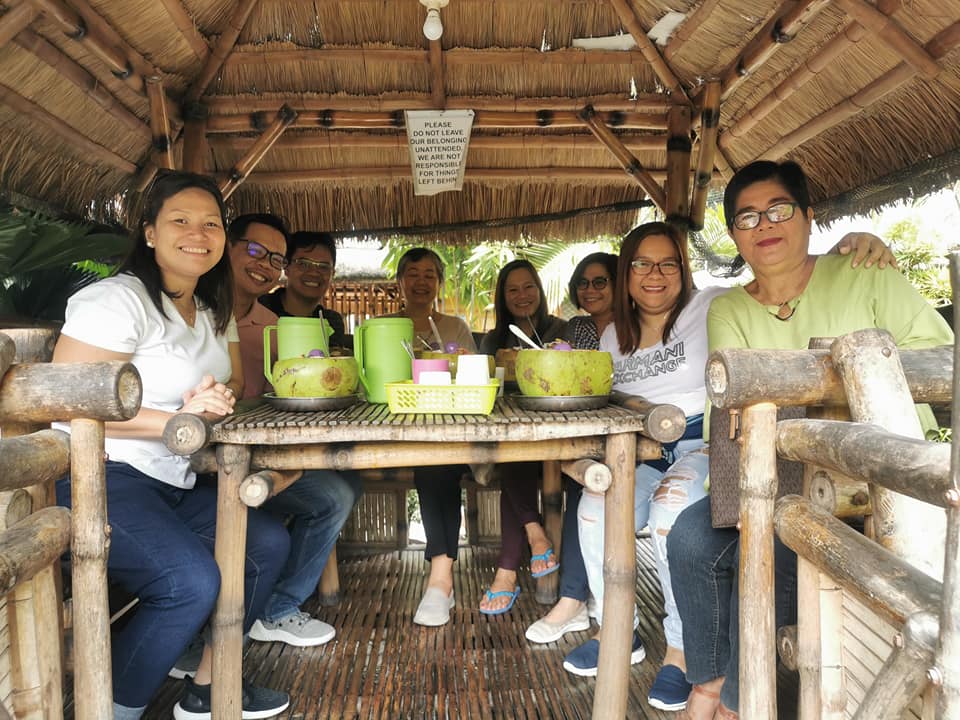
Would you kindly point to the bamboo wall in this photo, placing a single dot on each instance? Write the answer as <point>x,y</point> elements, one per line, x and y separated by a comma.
<point>357,300</point>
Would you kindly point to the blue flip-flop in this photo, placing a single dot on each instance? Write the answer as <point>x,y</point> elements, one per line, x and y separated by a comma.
<point>544,556</point>
<point>503,593</point>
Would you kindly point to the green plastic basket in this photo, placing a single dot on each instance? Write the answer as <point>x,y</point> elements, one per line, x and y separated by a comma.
<point>406,397</point>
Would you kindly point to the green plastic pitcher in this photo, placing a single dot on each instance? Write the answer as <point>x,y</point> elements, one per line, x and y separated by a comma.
<point>380,355</point>
<point>296,336</point>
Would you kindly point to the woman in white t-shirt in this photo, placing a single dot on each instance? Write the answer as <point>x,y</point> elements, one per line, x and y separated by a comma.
<point>168,312</point>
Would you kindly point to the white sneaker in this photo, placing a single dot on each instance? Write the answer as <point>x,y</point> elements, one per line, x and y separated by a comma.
<point>298,629</point>
<point>547,632</point>
<point>434,608</point>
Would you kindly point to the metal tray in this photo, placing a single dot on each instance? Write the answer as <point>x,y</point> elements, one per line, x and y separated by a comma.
<point>561,403</point>
<point>311,404</point>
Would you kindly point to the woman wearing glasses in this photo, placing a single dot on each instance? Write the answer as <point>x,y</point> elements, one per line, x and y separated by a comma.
<point>794,296</point>
<point>591,290</point>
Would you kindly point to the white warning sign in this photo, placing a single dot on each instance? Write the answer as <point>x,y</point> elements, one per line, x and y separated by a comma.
<point>438,141</point>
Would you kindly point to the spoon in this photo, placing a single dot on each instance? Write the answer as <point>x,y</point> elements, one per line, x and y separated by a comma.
<point>408,347</point>
<point>523,336</point>
<point>436,333</point>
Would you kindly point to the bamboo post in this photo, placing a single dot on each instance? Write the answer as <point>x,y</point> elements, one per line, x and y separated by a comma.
<point>678,166</point>
<point>664,423</point>
<point>14,20</point>
<point>438,89</point>
<point>89,550</point>
<point>877,392</point>
<point>593,475</point>
<point>809,651</point>
<point>159,124</point>
<point>225,43</point>
<point>328,590</point>
<point>196,149</point>
<point>709,130</point>
<point>238,173</point>
<point>619,579</point>
<point>627,159</point>
<point>758,490</point>
<point>229,549</point>
<point>904,673</point>
<point>552,500</point>
<point>947,668</point>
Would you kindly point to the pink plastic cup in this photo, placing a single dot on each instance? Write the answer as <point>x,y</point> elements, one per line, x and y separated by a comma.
<point>433,364</point>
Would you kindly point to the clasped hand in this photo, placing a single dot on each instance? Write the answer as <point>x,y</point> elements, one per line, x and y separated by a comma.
<point>209,396</point>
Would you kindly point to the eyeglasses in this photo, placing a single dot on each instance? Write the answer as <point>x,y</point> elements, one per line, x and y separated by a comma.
<point>258,251</point>
<point>599,283</point>
<point>749,219</point>
<point>306,264</point>
<point>645,267</point>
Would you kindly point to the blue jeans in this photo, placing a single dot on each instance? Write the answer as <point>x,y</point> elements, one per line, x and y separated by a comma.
<point>573,574</point>
<point>704,565</point>
<point>320,503</point>
<point>161,550</point>
<point>662,491</point>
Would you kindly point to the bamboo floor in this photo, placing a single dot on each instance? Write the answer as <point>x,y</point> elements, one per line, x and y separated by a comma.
<point>383,667</point>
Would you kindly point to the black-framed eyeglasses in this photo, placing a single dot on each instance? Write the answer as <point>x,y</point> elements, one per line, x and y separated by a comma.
<point>599,283</point>
<point>645,267</point>
<point>749,219</point>
<point>258,251</point>
<point>306,264</point>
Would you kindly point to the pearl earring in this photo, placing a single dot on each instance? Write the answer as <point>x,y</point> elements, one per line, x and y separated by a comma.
<point>150,244</point>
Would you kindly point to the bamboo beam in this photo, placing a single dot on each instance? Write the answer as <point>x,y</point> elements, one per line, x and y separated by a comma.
<point>159,124</point>
<point>14,20</point>
<point>483,119</point>
<point>33,544</point>
<point>678,170</point>
<point>402,172</point>
<point>39,458</point>
<point>196,148</point>
<point>33,345</point>
<point>358,139</point>
<point>243,167</point>
<point>627,159</point>
<point>79,76</point>
<point>649,51</point>
<point>709,129</point>
<point>662,422</point>
<point>688,27</point>
<point>894,36</point>
<point>225,43</point>
<point>594,476</point>
<point>939,46</point>
<point>789,19</point>
<point>187,28</point>
<point>86,149</point>
<point>389,102</point>
<point>438,86</point>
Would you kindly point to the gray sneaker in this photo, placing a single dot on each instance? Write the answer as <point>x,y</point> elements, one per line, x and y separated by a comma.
<point>296,629</point>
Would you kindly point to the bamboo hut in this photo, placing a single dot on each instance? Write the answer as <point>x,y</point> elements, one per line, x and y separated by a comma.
<point>584,111</point>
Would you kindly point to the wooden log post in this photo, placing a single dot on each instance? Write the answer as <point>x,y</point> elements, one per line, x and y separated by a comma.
<point>904,673</point>
<point>737,377</point>
<point>328,589</point>
<point>838,495</point>
<point>259,487</point>
<point>758,490</point>
<point>594,476</point>
<point>186,434</point>
<point>36,459</point>
<point>89,551</point>
<point>552,500</point>
<point>229,550</point>
<point>947,668</point>
<point>619,579</point>
<point>787,647</point>
<point>877,392</point>
<point>33,345</point>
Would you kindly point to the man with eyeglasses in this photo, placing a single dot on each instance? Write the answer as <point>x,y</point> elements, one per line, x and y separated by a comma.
<point>320,501</point>
<point>312,260</point>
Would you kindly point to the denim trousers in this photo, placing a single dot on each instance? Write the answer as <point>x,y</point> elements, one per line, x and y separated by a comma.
<point>704,566</point>
<point>438,489</point>
<point>318,504</point>
<point>660,495</point>
<point>573,573</point>
<point>161,550</point>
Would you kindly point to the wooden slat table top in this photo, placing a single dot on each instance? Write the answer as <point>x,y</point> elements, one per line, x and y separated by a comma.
<point>363,422</point>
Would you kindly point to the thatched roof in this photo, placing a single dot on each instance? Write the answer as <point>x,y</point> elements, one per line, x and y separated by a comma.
<point>857,92</point>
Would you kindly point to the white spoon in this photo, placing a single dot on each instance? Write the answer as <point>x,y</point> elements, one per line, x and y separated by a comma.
<point>523,336</point>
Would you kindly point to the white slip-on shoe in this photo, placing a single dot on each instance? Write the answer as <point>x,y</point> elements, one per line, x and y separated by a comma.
<point>434,608</point>
<point>547,632</point>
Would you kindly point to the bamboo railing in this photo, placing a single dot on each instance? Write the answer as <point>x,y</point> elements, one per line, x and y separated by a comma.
<point>909,484</point>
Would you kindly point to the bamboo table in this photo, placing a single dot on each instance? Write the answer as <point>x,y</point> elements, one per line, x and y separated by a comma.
<point>368,436</point>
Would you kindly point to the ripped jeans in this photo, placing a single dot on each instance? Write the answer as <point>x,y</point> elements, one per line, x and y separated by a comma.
<point>660,496</point>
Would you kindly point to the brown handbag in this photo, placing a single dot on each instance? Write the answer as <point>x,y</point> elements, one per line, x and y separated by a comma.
<point>725,465</point>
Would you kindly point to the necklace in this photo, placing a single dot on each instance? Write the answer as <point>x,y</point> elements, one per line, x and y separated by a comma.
<point>785,310</point>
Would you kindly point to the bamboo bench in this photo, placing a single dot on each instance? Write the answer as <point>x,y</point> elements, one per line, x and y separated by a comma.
<point>842,574</point>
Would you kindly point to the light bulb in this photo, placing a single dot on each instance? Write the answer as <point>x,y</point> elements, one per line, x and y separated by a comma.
<point>432,27</point>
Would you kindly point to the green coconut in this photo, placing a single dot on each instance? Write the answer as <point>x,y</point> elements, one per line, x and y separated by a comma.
<point>564,372</point>
<point>315,377</point>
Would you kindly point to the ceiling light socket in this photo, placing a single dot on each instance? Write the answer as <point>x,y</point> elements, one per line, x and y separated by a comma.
<point>433,26</point>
